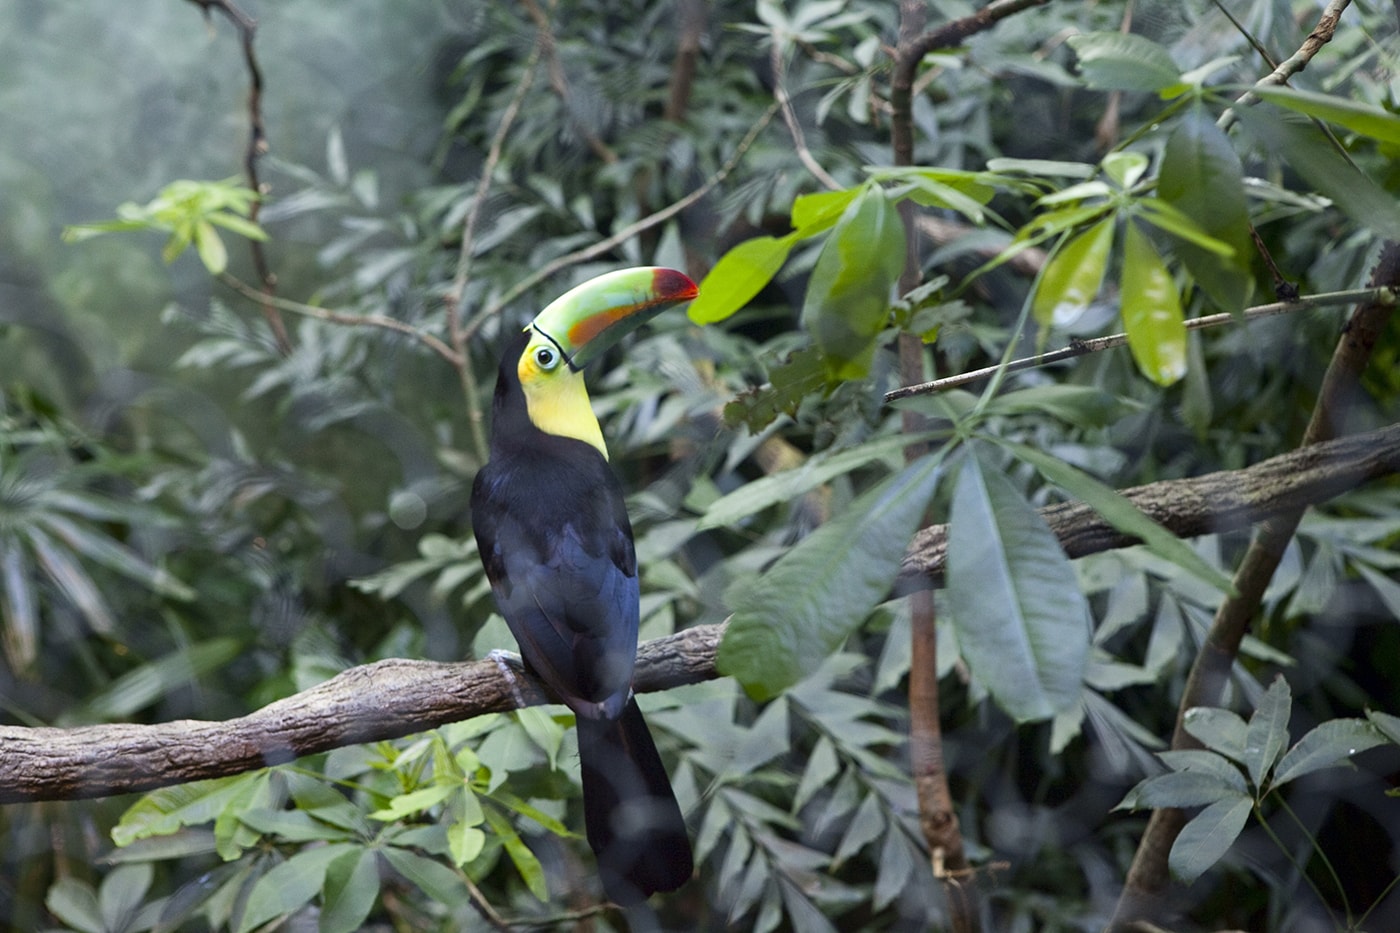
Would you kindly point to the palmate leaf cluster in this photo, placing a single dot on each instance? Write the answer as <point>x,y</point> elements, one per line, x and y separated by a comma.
<point>204,524</point>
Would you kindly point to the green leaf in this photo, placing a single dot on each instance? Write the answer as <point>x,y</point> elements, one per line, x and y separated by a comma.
<point>415,801</point>
<point>465,841</point>
<point>813,213</point>
<point>435,879</point>
<point>1020,617</point>
<point>1201,176</point>
<point>1388,724</point>
<point>122,894</point>
<point>1080,406</point>
<point>1327,745</point>
<point>210,246</point>
<point>1358,117</point>
<point>1072,277</point>
<point>1181,789</point>
<point>1120,512</point>
<point>848,296</point>
<point>739,275</point>
<point>1165,217</point>
<point>1207,837</point>
<point>822,768</point>
<point>166,810</point>
<point>291,885</point>
<point>1304,147</point>
<point>1125,167</point>
<point>1206,762</point>
<point>792,382</point>
<point>1267,734</point>
<point>351,888</point>
<point>1218,729</point>
<point>525,861</point>
<point>1118,61</point>
<point>1152,311</point>
<point>789,484</point>
<point>814,597</point>
<point>74,902</point>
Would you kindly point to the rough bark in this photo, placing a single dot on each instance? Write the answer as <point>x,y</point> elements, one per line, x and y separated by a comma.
<point>393,698</point>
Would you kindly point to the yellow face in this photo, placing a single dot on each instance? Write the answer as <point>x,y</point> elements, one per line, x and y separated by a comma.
<point>555,395</point>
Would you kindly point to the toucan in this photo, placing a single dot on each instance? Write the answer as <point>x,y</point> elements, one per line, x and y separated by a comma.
<point>553,533</point>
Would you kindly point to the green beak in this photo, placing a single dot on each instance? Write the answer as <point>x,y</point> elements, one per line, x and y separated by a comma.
<point>589,318</point>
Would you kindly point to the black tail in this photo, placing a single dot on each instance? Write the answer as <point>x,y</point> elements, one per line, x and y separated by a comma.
<point>634,823</point>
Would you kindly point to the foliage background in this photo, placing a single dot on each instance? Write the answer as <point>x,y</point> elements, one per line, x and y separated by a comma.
<point>193,525</point>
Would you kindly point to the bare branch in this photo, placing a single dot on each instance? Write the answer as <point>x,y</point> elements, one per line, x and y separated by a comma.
<point>257,145</point>
<point>394,698</point>
<point>1387,296</point>
<point>1216,502</point>
<point>342,317</point>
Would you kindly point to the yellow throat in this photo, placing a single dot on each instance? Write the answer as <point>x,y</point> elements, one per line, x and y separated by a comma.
<point>555,396</point>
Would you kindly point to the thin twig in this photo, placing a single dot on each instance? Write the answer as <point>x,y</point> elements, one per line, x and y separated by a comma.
<point>452,301</point>
<point>1387,295</point>
<point>799,139</point>
<point>560,84</point>
<point>257,146</point>
<point>1321,35</point>
<point>342,317</point>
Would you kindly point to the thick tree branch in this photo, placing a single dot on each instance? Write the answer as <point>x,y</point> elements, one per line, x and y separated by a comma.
<point>393,698</point>
<point>1226,501</point>
<point>378,701</point>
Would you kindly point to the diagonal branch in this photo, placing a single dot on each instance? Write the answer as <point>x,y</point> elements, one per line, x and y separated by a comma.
<point>395,697</point>
<point>257,146</point>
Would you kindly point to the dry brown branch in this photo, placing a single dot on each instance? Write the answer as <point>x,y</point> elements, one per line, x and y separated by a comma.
<point>1386,295</point>
<point>394,698</point>
<point>257,145</point>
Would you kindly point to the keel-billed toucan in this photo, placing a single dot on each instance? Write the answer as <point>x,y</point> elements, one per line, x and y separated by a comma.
<point>553,533</point>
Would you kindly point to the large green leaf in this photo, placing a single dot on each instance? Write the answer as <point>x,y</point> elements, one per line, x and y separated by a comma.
<point>814,597</point>
<point>166,810</point>
<point>1360,118</point>
<point>1124,61</point>
<point>1327,745</point>
<point>291,885</point>
<point>1152,311</point>
<point>1305,148</point>
<point>1072,278</point>
<point>848,296</point>
<point>351,888</point>
<point>1120,512</point>
<point>1202,177</point>
<point>739,275</point>
<point>1181,789</point>
<point>1268,731</point>
<point>1020,617</point>
<point>1207,837</point>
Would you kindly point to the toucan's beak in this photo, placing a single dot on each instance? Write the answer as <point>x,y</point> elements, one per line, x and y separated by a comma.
<point>589,318</point>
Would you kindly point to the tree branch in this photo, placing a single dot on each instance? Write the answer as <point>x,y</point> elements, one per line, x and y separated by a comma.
<point>1225,501</point>
<point>1148,876</point>
<point>1384,295</point>
<point>396,697</point>
<point>257,145</point>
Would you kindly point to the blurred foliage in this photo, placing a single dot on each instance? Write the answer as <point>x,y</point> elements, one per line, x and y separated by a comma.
<point>193,524</point>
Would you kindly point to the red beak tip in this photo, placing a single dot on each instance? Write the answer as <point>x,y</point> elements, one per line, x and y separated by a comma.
<point>672,285</point>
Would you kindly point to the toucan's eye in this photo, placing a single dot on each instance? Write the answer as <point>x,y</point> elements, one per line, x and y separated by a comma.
<point>546,358</point>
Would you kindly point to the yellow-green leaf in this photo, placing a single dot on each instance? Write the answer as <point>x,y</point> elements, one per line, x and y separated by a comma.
<point>1073,276</point>
<point>1152,311</point>
<point>739,275</point>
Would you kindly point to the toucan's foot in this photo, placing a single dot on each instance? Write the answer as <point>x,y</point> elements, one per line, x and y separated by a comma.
<point>507,662</point>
